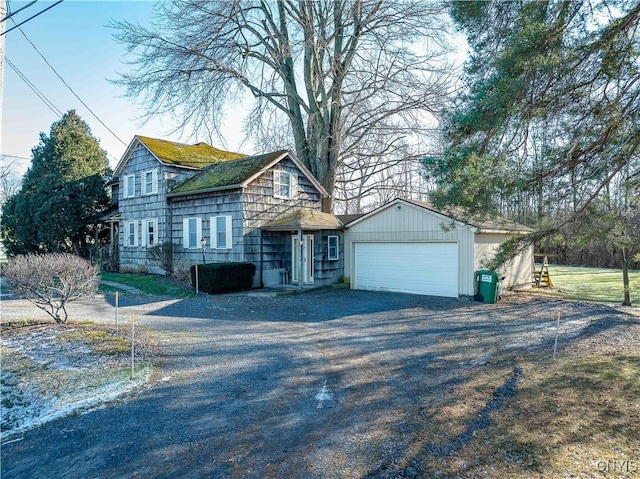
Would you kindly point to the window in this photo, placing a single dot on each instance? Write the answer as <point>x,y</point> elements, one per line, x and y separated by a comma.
<point>282,184</point>
<point>150,182</point>
<point>129,186</point>
<point>132,233</point>
<point>334,252</point>
<point>150,232</point>
<point>221,232</point>
<point>191,233</point>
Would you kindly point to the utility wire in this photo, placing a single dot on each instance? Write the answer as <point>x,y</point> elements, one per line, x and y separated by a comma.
<point>35,90</point>
<point>71,89</point>
<point>18,11</point>
<point>31,18</point>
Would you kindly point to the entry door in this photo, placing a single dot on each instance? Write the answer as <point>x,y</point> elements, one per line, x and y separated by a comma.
<point>307,259</point>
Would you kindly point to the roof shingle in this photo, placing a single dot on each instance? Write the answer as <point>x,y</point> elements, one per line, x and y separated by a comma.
<point>226,173</point>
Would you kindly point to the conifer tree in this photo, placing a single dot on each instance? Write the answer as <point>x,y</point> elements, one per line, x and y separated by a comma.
<point>62,193</point>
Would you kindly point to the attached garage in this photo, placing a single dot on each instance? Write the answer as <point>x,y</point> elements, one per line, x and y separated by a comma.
<point>418,268</point>
<point>408,246</point>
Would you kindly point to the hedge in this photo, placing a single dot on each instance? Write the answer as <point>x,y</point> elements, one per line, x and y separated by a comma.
<point>214,278</point>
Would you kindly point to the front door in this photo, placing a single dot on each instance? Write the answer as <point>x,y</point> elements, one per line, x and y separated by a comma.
<point>307,259</point>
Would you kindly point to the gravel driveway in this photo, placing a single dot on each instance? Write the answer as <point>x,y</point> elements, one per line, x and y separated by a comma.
<point>317,385</point>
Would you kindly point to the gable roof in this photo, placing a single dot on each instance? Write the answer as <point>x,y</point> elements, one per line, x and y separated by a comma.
<point>303,219</point>
<point>192,157</point>
<point>495,225</point>
<point>486,225</point>
<point>238,173</point>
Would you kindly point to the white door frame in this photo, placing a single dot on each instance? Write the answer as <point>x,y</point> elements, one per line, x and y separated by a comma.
<point>307,259</point>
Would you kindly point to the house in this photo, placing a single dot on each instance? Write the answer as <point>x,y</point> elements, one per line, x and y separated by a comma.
<point>212,205</point>
<point>408,246</point>
<point>218,206</point>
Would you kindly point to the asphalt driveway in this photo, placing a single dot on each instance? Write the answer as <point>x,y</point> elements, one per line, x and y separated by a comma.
<point>322,384</point>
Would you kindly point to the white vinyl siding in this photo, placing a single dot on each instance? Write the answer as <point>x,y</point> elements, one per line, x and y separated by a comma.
<point>333,245</point>
<point>149,232</point>
<point>416,268</point>
<point>129,186</point>
<point>283,184</point>
<point>221,232</point>
<point>150,182</point>
<point>132,233</point>
<point>191,233</point>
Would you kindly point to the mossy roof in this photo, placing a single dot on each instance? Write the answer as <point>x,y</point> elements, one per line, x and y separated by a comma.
<point>227,173</point>
<point>303,219</point>
<point>191,156</point>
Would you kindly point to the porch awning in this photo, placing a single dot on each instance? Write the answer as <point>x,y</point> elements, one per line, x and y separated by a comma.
<point>305,219</point>
<point>111,217</point>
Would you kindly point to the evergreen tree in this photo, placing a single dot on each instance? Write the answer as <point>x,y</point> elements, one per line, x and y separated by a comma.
<point>549,114</point>
<point>62,193</point>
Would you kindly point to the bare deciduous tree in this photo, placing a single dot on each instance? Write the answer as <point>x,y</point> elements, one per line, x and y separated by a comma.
<point>9,181</point>
<point>51,281</point>
<point>338,71</point>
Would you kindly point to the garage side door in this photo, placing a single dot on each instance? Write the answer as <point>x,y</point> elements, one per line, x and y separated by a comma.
<point>417,268</point>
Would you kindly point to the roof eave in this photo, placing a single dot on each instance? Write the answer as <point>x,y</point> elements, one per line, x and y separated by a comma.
<point>300,228</point>
<point>205,190</point>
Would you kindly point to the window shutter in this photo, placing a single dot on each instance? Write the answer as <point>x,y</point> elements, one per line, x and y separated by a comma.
<point>229,232</point>
<point>199,232</point>
<point>155,181</point>
<point>135,233</point>
<point>143,239</point>
<point>294,185</point>
<point>213,232</point>
<point>185,233</point>
<point>276,183</point>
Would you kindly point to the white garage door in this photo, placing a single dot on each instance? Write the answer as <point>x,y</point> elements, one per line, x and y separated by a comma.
<point>417,268</point>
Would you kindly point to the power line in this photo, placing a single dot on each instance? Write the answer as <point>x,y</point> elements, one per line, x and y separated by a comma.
<point>35,90</point>
<point>18,11</point>
<point>30,18</point>
<point>5,155</point>
<point>69,87</point>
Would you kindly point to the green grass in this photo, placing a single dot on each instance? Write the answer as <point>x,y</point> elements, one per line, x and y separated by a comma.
<point>151,284</point>
<point>594,284</point>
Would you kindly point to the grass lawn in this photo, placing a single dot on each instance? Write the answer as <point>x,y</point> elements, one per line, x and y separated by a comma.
<point>148,283</point>
<point>593,284</point>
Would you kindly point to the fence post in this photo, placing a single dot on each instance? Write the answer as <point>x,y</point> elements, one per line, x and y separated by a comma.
<point>133,335</point>
<point>116,312</point>
<point>196,279</point>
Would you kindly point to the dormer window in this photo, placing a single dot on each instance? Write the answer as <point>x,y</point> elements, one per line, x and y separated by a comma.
<point>282,184</point>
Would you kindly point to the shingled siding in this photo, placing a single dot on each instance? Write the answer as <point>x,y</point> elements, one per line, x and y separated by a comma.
<point>204,206</point>
<point>260,206</point>
<point>141,207</point>
<point>328,271</point>
<point>277,254</point>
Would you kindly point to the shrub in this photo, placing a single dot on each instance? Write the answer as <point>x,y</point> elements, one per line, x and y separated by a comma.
<point>216,278</point>
<point>50,281</point>
<point>162,255</point>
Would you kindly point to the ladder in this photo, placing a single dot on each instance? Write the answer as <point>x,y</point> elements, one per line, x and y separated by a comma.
<point>542,279</point>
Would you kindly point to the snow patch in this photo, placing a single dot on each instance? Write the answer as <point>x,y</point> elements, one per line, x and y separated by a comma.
<point>324,395</point>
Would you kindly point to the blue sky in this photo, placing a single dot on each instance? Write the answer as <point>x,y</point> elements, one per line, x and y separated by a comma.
<point>73,36</point>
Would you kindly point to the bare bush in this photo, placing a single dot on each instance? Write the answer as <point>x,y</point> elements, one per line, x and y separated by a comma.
<point>162,255</point>
<point>51,281</point>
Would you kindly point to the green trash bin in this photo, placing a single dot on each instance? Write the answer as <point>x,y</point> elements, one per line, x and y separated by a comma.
<point>489,286</point>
